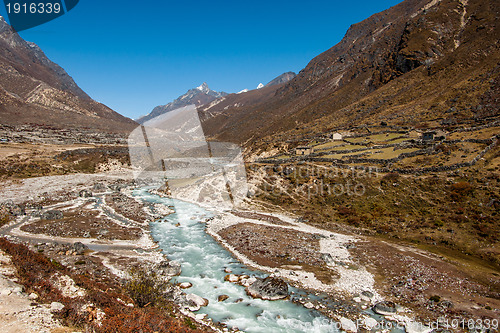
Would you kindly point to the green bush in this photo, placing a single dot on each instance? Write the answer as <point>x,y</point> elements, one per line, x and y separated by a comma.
<point>146,288</point>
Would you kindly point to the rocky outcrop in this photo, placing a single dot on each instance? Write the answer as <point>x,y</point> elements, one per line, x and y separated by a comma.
<point>13,209</point>
<point>270,288</point>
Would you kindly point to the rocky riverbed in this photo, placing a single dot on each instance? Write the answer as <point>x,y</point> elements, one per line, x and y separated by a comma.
<point>93,225</point>
<point>399,282</point>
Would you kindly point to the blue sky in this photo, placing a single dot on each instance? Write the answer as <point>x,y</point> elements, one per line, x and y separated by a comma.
<point>134,55</point>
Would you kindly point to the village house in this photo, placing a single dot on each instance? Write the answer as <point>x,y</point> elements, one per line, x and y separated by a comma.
<point>428,136</point>
<point>304,150</point>
<point>336,136</point>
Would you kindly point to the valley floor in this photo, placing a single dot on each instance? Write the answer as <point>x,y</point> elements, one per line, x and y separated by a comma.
<point>99,212</point>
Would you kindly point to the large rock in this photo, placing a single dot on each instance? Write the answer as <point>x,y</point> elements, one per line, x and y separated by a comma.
<point>270,288</point>
<point>14,209</point>
<point>56,306</point>
<point>366,296</point>
<point>231,278</point>
<point>17,210</point>
<point>79,248</point>
<point>185,285</point>
<point>196,302</point>
<point>348,325</point>
<point>385,308</point>
<point>222,298</point>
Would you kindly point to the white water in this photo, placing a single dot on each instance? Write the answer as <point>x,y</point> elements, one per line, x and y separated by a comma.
<point>203,261</point>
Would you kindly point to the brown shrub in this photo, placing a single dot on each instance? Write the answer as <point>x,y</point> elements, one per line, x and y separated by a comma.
<point>460,190</point>
<point>390,178</point>
<point>345,211</point>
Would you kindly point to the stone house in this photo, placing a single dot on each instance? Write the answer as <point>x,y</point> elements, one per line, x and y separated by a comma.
<point>304,150</point>
<point>428,136</point>
<point>336,136</point>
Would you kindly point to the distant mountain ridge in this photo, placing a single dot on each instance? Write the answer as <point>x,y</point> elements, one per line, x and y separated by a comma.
<point>206,98</point>
<point>34,90</point>
<point>283,78</point>
<point>197,96</point>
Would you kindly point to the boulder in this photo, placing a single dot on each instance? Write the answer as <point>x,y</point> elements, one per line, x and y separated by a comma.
<point>99,187</point>
<point>56,306</point>
<point>17,210</point>
<point>185,285</point>
<point>85,193</point>
<point>52,215</point>
<point>309,305</point>
<point>79,248</point>
<point>385,308</point>
<point>348,325</point>
<point>446,304</point>
<point>231,278</point>
<point>196,302</point>
<point>270,288</point>
<point>222,298</point>
<point>366,296</point>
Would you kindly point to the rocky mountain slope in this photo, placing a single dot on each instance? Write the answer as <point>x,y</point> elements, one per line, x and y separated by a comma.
<point>223,108</point>
<point>198,96</point>
<point>283,78</point>
<point>36,91</point>
<point>420,63</point>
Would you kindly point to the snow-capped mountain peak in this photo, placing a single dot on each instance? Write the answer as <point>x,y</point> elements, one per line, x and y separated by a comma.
<point>260,86</point>
<point>204,87</point>
<point>197,96</point>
